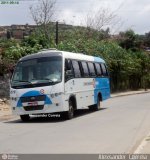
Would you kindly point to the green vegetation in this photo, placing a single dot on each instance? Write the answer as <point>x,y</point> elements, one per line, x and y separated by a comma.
<point>127,60</point>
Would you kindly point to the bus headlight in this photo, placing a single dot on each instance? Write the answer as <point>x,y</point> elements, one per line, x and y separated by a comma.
<point>56,94</point>
<point>52,95</point>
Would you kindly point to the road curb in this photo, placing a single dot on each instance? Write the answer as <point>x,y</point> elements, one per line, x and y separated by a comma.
<point>128,94</point>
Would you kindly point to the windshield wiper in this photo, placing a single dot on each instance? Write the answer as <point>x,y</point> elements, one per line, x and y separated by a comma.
<point>22,81</point>
<point>47,79</point>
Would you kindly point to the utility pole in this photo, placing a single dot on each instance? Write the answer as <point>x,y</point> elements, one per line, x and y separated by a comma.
<point>8,34</point>
<point>56,40</point>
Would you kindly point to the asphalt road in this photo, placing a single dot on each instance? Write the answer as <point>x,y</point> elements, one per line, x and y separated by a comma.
<point>117,128</point>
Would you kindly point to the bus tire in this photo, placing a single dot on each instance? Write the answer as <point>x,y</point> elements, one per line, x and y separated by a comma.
<point>70,113</point>
<point>98,104</point>
<point>25,118</point>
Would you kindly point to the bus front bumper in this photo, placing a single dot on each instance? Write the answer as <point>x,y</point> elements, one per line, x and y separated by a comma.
<point>38,109</point>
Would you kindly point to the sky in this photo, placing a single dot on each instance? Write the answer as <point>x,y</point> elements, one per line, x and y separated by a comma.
<point>131,14</point>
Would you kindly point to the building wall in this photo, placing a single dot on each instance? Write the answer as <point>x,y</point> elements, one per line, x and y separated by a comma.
<point>17,31</point>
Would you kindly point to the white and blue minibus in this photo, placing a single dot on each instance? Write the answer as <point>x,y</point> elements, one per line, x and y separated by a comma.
<point>52,81</point>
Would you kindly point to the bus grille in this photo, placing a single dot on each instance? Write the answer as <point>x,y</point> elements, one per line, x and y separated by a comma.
<point>33,98</point>
<point>32,108</point>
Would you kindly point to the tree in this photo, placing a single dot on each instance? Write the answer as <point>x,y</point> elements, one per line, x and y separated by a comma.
<point>43,14</point>
<point>147,39</point>
<point>102,18</point>
<point>130,40</point>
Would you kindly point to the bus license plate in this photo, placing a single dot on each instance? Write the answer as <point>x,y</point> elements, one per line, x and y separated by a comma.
<point>32,103</point>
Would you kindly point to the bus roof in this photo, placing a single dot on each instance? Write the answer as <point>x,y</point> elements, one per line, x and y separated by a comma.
<point>69,55</point>
<point>80,56</point>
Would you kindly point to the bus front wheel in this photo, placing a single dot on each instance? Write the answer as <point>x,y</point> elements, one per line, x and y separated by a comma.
<point>25,118</point>
<point>70,113</point>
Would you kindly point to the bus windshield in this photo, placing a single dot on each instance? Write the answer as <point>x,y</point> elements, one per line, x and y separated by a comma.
<point>40,72</point>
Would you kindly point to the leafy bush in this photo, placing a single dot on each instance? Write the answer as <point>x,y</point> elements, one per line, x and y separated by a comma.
<point>129,67</point>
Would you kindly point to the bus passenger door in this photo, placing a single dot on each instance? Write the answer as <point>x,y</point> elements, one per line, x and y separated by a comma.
<point>73,85</point>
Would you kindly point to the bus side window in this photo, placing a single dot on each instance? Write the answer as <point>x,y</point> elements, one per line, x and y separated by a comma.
<point>104,70</point>
<point>98,69</point>
<point>76,69</point>
<point>85,69</point>
<point>68,70</point>
<point>107,73</point>
<point>91,69</point>
<point>67,64</point>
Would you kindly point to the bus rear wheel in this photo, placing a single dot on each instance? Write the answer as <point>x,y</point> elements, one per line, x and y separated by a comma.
<point>25,118</point>
<point>96,106</point>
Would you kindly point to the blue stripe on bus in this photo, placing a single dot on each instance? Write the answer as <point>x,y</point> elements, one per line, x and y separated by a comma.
<point>33,93</point>
<point>101,86</point>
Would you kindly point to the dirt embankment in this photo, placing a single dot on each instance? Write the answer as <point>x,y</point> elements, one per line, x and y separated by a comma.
<point>5,109</point>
